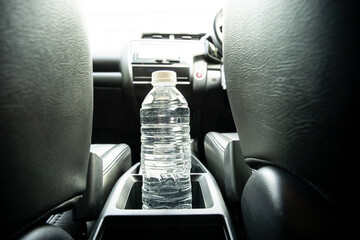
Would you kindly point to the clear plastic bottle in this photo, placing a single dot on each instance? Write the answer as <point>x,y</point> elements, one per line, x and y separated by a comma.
<point>165,145</point>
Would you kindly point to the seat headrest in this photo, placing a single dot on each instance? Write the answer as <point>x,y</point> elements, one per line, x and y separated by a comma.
<point>290,69</point>
<point>46,107</point>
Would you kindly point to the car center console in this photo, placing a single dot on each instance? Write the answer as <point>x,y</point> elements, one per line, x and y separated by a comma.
<point>199,80</point>
<point>123,214</point>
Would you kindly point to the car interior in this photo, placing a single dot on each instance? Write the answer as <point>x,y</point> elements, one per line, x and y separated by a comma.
<point>271,91</point>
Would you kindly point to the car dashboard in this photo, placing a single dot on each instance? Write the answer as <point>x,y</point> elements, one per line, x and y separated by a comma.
<point>123,79</point>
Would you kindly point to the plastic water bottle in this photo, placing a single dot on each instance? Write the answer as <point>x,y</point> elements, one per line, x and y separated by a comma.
<point>165,145</point>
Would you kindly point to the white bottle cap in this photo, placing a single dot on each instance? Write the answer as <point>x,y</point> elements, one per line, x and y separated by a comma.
<point>163,77</point>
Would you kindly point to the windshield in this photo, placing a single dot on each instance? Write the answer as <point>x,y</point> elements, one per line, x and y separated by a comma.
<point>111,23</point>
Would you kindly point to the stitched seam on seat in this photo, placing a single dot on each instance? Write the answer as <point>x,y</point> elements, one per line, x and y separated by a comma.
<point>117,159</point>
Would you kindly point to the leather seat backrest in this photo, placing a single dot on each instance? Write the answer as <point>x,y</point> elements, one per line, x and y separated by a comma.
<point>290,68</point>
<point>46,107</point>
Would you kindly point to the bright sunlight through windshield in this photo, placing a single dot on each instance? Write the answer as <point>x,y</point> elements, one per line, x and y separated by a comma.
<point>113,22</point>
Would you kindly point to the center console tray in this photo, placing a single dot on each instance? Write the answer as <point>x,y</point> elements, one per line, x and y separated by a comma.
<point>123,215</point>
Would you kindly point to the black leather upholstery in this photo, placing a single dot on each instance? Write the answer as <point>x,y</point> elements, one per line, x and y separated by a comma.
<point>65,221</point>
<point>277,204</point>
<point>46,107</point>
<point>47,232</point>
<point>290,68</point>
<point>116,159</point>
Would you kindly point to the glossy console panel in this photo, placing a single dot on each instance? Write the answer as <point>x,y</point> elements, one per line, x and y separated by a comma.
<point>123,216</point>
<point>164,227</point>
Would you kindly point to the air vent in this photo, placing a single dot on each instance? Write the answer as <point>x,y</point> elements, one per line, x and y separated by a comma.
<point>155,36</point>
<point>171,36</point>
<point>188,36</point>
<point>143,73</point>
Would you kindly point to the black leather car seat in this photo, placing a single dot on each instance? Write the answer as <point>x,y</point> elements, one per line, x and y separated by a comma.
<point>290,68</point>
<point>116,159</point>
<point>46,107</point>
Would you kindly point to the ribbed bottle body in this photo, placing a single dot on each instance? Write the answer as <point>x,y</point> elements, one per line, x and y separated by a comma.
<point>165,150</point>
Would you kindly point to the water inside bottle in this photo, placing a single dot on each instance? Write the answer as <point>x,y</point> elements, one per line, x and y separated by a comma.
<point>165,150</point>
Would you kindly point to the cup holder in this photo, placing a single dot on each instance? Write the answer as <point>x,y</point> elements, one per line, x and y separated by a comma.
<point>123,214</point>
<point>196,167</point>
<point>132,200</point>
